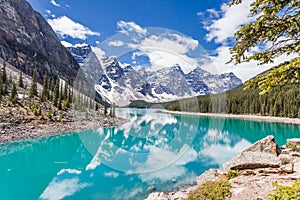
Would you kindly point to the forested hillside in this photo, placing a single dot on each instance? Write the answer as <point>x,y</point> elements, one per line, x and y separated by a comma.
<point>279,102</point>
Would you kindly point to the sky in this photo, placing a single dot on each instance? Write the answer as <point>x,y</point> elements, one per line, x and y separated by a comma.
<point>163,32</point>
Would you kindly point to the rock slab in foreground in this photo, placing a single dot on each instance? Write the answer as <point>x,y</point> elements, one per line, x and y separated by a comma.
<point>266,145</point>
<point>252,160</point>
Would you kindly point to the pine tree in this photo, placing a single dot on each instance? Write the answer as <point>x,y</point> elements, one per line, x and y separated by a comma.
<point>13,93</point>
<point>113,110</point>
<point>33,90</point>
<point>71,95</point>
<point>20,82</point>
<point>56,93</point>
<point>105,108</point>
<point>35,111</point>
<point>1,88</point>
<point>48,96</point>
<point>59,106</point>
<point>4,75</point>
<point>97,107</point>
<point>45,88</point>
<point>5,90</point>
<point>10,79</point>
<point>65,95</point>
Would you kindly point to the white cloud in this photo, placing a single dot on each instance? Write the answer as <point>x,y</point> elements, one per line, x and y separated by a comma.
<point>244,71</point>
<point>48,11</point>
<point>172,42</point>
<point>59,189</point>
<point>160,58</point>
<point>116,43</point>
<point>232,18</point>
<point>221,26</point>
<point>213,13</point>
<point>167,49</point>
<point>64,27</point>
<point>53,2</point>
<point>166,165</point>
<point>66,44</point>
<point>70,171</point>
<point>127,27</point>
<point>111,174</point>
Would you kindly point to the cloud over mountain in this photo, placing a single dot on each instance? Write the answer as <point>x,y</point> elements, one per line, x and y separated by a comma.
<point>66,27</point>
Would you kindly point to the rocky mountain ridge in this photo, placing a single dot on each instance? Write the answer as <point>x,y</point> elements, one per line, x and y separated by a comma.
<point>27,41</point>
<point>123,83</point>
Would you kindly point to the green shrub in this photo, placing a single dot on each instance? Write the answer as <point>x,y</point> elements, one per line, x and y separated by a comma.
<point>232,173</point>
<point>211,190</point>
<point>285,192</point>
<point>293,146</point>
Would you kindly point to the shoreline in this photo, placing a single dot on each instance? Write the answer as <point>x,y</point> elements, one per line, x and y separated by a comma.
<point>235,116</point>
<point>15,133</point>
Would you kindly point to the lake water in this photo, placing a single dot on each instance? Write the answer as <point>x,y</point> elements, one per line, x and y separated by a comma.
<point>153,149</point>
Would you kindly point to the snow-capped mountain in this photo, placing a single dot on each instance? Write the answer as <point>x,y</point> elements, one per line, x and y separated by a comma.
<point>123,83</point>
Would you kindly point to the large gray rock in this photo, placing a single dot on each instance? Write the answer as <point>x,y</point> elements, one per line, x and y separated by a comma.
<point>252,160</point>
<point>209,175</point>
<point>266,145</point>
<point>157,196</point>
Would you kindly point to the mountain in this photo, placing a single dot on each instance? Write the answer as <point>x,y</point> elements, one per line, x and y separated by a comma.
<point>123,83</point>
<point>27,41</point>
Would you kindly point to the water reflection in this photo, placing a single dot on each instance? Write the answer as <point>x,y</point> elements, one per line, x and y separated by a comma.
<point>153,149</point>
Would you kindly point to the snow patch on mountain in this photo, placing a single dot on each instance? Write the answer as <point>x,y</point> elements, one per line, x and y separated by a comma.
<point>121,84</point>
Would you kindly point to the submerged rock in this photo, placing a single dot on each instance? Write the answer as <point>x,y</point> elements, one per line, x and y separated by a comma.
<point>266,145</point>
<point>151,188</point>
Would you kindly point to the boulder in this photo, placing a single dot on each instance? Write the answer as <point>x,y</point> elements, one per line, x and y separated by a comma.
<point>287,168</point>
<point>252,160</point>
<point>266,145</point>
<point>157,196</point>
<point>151,188</point>
<point>285,158</point>
<point>209,175</point>
<point>178,195</point>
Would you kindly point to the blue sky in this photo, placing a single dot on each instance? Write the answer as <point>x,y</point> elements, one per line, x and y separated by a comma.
<point>102,15</point>
<point>206,24</point>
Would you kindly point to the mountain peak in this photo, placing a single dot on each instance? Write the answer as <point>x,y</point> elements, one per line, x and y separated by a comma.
<point>176,67</point>
<point>110,61</point>
<point>81,45</point>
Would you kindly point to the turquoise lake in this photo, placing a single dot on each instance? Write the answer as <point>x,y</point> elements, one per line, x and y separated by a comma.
<point>157,149</point>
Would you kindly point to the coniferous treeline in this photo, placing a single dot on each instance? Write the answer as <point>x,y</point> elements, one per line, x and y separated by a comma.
<point>55,95</point>
<point>279,102</point>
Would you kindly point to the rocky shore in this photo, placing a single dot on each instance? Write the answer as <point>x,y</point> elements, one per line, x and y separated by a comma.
<point>258,167</point>
<point>18,122</point>
<point>15,127</point>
